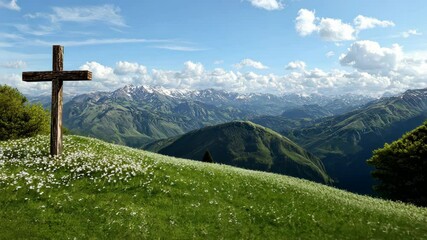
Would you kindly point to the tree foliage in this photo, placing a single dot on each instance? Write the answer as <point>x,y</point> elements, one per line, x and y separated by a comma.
<point>18,118</point>
<point>401,168</point>
<point>207,157</point>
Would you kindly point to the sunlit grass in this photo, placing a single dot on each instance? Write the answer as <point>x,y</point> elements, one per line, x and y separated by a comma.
<point>102,190</point>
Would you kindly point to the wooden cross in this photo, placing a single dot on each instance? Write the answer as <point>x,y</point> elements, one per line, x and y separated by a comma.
<point>57,76</point>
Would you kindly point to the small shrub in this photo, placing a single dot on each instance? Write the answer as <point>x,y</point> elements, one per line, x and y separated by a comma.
<point>18,118</point>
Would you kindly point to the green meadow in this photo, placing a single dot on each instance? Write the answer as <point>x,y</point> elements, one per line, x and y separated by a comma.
<point>100,190</point>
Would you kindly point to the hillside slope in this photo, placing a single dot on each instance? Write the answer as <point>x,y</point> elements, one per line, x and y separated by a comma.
<point>312,111</point>
<point>246,145</point>
<point>104,191</point>
<point>345,142</point>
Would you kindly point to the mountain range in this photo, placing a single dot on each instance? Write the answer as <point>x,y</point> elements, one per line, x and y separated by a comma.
<point>342,131</point>
<point>135,116</point>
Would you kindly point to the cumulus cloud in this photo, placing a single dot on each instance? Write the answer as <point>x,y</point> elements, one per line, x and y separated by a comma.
<point>329,29</point>
<point>305,22</point>
<point>362,22</point>
<point>98,70</point>
<point>250,63</point>
<point>366,76</point>
<point>267,4</point>
<point>369,56</point>
<point>19,64</point>
<point>296,65</point>
<point>193,69</point>
<point>124,68</point>
<point>335,30</point>
<point>12,5</point>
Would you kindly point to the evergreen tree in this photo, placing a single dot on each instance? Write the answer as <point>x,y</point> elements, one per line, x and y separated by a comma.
<point>207,157</point>
<point>401,168</point>
<point>18,118</point>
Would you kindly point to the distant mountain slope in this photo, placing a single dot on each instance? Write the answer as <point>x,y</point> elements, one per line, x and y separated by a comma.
<point>247,145</point>
<point>281,124</point>
<point>135,116</point>
<point>311,111</point>
<point>346,141</point>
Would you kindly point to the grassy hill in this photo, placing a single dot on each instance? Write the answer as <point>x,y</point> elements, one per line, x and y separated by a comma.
<point>246,145</point>
<point>100,190</point>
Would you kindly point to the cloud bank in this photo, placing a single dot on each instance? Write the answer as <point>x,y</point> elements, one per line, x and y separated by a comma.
<point>372,70</point>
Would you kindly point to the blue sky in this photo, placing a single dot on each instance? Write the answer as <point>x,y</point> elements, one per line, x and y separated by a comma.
<point>289,46</point>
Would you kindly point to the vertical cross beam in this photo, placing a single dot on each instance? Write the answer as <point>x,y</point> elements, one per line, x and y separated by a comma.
<point>57,76</point>
<point>56,109</point>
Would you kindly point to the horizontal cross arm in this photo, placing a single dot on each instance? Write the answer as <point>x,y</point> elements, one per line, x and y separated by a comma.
<point>63,75</point>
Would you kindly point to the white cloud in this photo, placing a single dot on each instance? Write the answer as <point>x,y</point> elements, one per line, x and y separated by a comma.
<point>369,56</point>
<point>335,30</point>
<point>305,22</point>
<point>10,36</point>
<point>407,73</point>
<point>362,22</point>
<point>39,30</point>
<point>105,13</point>
<point>329,29</point>
<point>15,80</point>
<point>296,65</point>
<point>410,32</point>
<point>125,68</point>
<point>179,48</point>
<point>99,71</point>
<point>12,5</point>
<point>193,75</point>
<point>108,14</point>
<point>250,63</point>
<point>330,54</point>
<point>19,64</point>
<point>267,4</point>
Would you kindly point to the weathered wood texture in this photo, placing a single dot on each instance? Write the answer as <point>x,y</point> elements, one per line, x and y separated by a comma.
<point>57,76</point>
<point>56,110</point>
<point>45,76</point>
